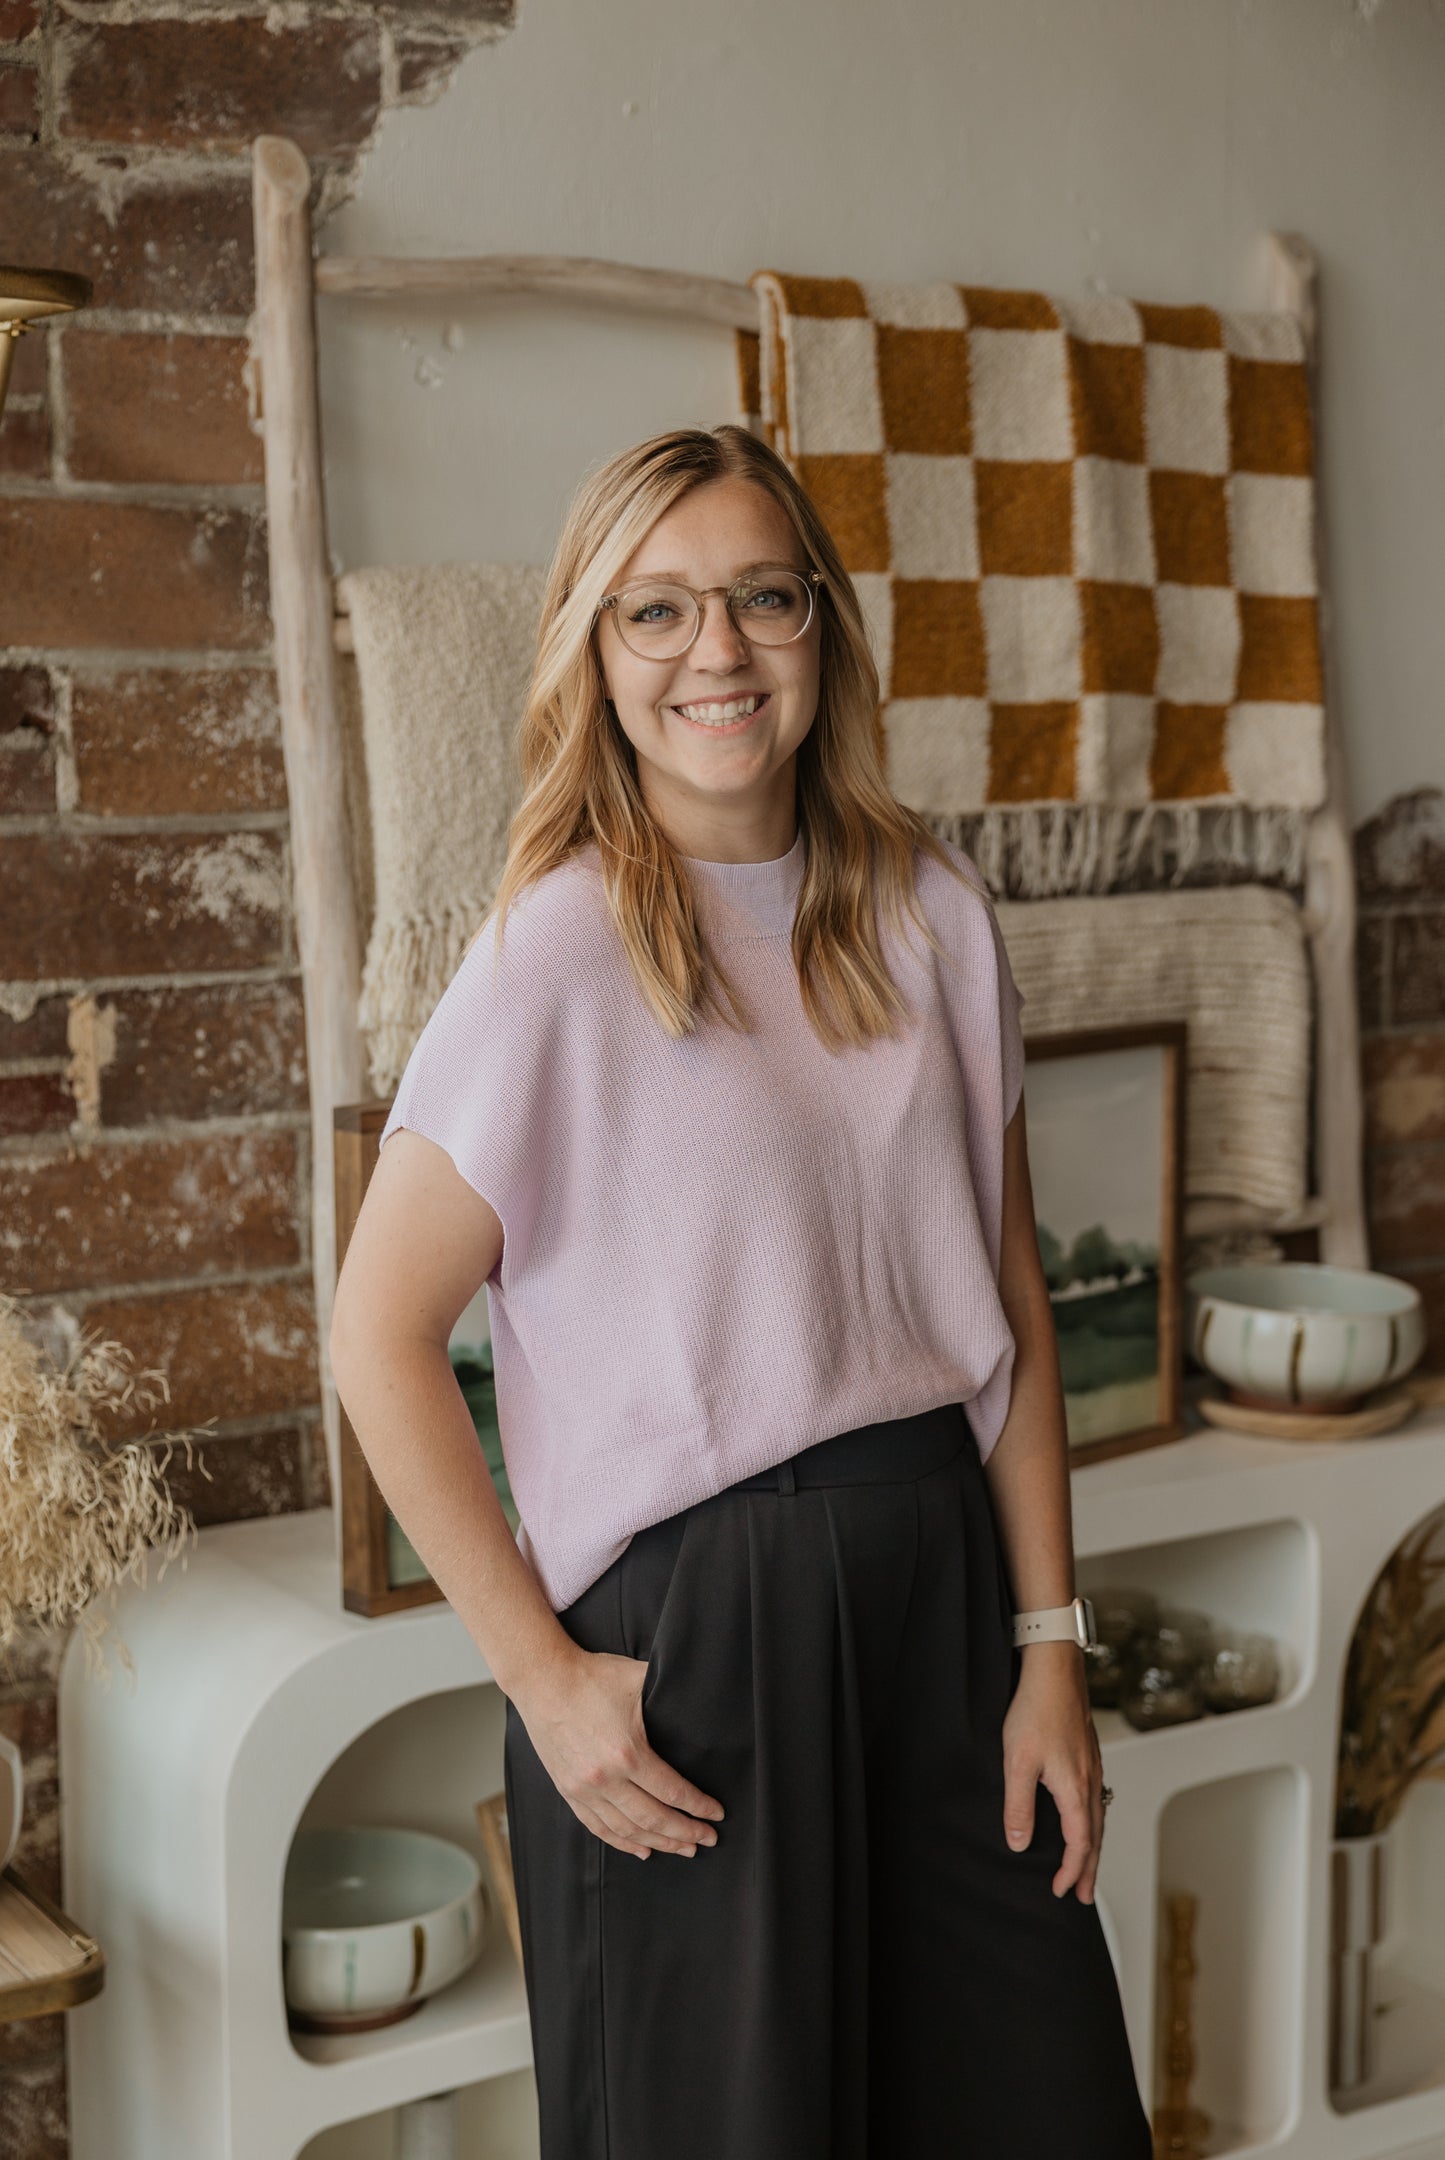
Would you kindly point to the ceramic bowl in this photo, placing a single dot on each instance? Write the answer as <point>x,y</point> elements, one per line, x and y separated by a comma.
<point>373,1920</point>
<point>1294,1333</point>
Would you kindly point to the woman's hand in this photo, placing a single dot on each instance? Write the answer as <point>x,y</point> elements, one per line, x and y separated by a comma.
<point>584,1718</point>
<point>1048,1735</point>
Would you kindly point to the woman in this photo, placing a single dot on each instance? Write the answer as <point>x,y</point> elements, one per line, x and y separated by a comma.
<point>724,1105</point>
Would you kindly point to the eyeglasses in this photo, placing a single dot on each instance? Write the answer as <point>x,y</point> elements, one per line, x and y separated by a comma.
<point>660,618</point>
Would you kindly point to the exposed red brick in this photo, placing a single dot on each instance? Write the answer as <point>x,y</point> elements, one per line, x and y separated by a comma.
<point>474,13</point>
<point>1417,968</point>
<point>243,1475</point>
<point>215,85</point>
<point>424,59</point>
<point>37,1856</point>
<point>27,698</point>
<point>40,1033</point>
<point>28,364</point>
<point>98,904</point>
<point>29,1720</point>
<point>27,773</point>
<point>1400,852</point>
<point>204,1050</point>
<point>231,1351</point>
<point>34,2116</point>
<point>33,1658</point>
<point>77,573</point>
<point>1406,1203</point>
<point>25,441</point>
<point>19,99</point>
<point>182,245</point>
<point>17,19</point>
<point>30,2040</point>
<point>144,1211</point>
<point>1404,1088</point>
<point>34,1103</point>
<point>168,407</point>
<point>176,742</point>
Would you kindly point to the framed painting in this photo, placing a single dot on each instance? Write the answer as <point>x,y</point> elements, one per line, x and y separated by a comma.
<point>1105,1113</point>
<point>381,1571</point>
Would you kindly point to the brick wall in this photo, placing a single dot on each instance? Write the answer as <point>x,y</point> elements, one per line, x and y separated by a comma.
<point>154,1150</point>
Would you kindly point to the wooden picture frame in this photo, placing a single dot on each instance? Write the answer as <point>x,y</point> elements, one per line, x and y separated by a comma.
<point>368,1584</point>
<point>1063,1185</point>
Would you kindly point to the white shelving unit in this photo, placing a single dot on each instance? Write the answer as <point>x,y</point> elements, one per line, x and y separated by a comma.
<point>260,1706</point>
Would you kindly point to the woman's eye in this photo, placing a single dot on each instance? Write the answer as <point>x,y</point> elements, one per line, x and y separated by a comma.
<point>648,611</point>
<point>770,595</point>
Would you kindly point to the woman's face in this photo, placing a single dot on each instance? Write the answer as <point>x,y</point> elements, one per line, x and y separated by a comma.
<point>724,780</point>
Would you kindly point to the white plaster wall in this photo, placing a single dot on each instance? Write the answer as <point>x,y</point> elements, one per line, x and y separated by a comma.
<point>1132,146</point>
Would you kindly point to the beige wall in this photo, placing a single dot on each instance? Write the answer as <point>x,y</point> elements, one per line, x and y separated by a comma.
<point>1132,146</point>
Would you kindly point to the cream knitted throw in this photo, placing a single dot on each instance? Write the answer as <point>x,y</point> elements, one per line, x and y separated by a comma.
<point>1081,529</point>
<point>1232,965</point>
<point>444,654</point>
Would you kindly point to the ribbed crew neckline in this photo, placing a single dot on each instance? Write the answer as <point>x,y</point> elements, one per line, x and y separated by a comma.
<point>749,899</point>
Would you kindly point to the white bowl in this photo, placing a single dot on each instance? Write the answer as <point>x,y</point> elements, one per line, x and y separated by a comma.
<point>1292,1332</point>
<point>374,1919</point>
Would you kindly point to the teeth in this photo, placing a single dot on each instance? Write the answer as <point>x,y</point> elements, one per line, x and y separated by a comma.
<point>733,709</point>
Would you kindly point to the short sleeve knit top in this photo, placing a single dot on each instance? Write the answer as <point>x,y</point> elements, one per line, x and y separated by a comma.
<point>719,1249</point>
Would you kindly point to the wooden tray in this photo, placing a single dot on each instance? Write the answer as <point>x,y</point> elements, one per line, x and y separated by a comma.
<point>1381,1414</point>
<point>46,1962</point>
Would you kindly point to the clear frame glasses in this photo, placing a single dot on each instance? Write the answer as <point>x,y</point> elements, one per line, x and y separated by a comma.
<point>659,618</point>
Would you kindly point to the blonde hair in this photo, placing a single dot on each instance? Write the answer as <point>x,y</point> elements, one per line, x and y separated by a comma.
<point>579,771</point>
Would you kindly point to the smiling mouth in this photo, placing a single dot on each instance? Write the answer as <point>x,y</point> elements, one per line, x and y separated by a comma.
<point>720,714</point>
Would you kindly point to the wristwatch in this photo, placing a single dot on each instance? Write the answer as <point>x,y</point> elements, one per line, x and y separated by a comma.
<point>1058,1623</point>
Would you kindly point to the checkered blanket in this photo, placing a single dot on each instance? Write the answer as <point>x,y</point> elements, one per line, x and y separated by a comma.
<point>1081,531</point>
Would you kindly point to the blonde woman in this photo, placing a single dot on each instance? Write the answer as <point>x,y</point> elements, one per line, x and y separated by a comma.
<point>723,1103</point>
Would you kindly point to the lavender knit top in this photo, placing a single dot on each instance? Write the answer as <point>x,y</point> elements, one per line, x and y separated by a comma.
<point>721,1249</point>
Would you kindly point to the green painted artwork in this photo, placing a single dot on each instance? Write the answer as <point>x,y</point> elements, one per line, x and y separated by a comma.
<point>477,1381</point>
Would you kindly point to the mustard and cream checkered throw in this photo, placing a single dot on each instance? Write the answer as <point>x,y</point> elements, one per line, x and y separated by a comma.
<point>1082,533</point>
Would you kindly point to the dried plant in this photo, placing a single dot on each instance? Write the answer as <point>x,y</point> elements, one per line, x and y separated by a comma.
<point>1392,1721</point>
<point>77,1515</point>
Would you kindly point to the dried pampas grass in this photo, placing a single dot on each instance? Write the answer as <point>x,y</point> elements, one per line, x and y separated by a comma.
<point>77,1515</point>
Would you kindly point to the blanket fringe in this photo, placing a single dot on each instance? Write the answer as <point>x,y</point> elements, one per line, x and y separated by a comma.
<point>1040,851</point>
<point>408,965</point>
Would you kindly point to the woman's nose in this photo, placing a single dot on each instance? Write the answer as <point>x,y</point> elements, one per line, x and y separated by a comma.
<point>719,642</point>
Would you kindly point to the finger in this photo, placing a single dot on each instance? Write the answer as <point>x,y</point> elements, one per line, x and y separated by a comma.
<point>1020,1780</point>
<point>593,1823</point>
<point>624,1810</point>
<point>1078,1841</point>
<point>662,1782</point>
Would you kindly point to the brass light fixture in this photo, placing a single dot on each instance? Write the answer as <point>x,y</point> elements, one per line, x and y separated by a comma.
<point>26,296</point>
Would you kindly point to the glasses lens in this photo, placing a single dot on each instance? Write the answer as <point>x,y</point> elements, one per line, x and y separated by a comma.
<point>772,607</point>
<point>657,619</point>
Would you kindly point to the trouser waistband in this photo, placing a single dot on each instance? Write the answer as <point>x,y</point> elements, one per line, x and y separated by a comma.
<point>899,1449</point>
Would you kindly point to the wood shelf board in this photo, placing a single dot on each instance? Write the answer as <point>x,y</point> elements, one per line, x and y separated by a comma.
<point>47,1963</point>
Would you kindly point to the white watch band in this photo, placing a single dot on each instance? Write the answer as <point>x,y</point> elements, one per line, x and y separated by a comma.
<point>1057,1623</point>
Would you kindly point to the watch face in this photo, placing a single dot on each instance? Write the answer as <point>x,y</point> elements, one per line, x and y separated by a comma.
<point>1084,1614</point>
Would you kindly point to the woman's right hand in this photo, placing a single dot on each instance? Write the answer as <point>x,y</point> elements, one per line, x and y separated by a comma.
<point>584,1718</point>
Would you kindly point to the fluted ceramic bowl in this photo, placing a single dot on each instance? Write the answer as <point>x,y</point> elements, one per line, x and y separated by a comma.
<point>373,1920</point>
<point>1293,1334</point>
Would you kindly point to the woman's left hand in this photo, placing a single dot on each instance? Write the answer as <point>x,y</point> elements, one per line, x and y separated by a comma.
<point>1049,1736</point>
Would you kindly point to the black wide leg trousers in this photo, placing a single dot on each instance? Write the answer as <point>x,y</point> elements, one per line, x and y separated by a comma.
<point>861,1968</point>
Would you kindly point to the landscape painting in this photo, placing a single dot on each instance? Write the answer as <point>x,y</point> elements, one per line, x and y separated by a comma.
<point>1105,1125</point>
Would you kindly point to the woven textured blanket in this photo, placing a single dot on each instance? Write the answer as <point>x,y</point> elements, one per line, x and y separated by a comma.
<point>1233,966</point>
<point>444,655</point>
<point>1082,534</point>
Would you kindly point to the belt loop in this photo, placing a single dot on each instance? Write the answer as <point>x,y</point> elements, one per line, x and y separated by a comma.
<point>787,1477</point>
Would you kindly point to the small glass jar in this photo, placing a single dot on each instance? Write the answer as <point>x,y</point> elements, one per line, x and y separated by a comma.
<point>1161,1683</point>
<point>1242,1671</point>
